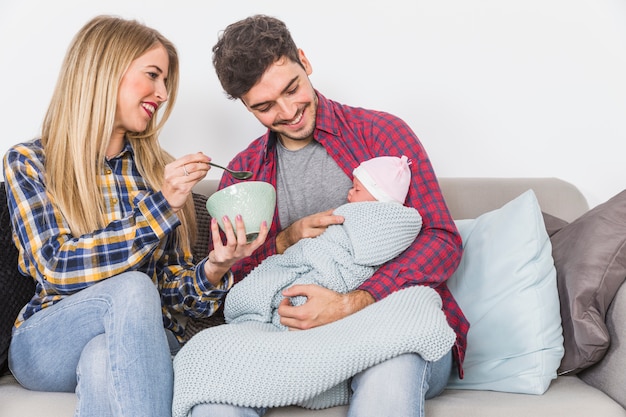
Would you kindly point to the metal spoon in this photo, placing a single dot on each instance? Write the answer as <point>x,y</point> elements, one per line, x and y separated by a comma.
<point>240,175</point>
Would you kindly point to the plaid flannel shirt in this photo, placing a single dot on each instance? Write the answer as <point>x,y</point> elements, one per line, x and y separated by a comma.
<point>139,236</point>
<point>351,135</point>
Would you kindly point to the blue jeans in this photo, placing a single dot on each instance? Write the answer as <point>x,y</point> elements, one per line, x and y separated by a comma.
<point>396,387</point>
<point>106,343</point>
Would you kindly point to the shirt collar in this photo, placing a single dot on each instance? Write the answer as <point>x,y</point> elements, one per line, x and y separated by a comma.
<point>325,119</point>
<point>126,149</point>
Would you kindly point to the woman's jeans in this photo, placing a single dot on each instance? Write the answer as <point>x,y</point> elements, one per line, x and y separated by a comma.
<point>107,343</point>
<point>396,387</point>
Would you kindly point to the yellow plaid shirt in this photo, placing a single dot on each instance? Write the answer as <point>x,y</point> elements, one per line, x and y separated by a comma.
<point>139,236</point>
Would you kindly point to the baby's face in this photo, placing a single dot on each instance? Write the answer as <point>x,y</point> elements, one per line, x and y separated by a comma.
<point>358,192</point>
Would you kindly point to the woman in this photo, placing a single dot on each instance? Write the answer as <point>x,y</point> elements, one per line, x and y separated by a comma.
<point>103,220</point>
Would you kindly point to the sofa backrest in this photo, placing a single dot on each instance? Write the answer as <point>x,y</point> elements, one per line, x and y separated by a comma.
<point>467,198</point>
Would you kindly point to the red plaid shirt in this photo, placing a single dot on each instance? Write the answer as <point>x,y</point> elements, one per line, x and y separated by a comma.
<point>351,135</point>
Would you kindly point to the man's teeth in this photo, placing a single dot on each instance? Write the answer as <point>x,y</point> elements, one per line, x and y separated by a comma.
<point>297,119</point>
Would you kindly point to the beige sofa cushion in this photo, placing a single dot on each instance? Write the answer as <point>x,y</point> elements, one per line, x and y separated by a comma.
<point>567,396</point>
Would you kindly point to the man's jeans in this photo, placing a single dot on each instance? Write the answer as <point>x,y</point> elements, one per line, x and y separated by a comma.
<point>105,342</point>
<point>396,387</point>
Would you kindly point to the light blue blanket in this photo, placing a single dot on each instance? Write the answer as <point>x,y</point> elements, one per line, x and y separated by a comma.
<point>340,259</point>
<point>254,363</point>
<point>257,365</point>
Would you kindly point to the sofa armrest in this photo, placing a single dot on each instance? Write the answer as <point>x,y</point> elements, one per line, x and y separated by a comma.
<point>608,375</point>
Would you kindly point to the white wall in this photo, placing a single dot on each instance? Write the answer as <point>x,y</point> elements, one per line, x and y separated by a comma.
<point>492,87</point>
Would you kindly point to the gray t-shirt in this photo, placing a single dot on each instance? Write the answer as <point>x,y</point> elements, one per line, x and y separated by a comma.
<point>308,181</point>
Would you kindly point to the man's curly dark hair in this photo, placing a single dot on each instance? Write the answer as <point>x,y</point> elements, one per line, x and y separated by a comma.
<point>247,48</point>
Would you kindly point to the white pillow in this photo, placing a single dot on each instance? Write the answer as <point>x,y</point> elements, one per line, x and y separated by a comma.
<point>506,287</point>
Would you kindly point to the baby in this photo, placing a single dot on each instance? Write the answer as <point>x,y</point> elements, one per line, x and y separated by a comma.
<point>377,227</point>
<point>385,179</point>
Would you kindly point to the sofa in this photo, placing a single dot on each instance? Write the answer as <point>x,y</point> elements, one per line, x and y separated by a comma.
<point>594,390</point>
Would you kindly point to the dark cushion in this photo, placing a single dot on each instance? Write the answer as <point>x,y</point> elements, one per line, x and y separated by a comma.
<point>200,251</point>
<point>16,289</point>
<point>200,247</point>
<point>553,223</point>
<point>590,259</point>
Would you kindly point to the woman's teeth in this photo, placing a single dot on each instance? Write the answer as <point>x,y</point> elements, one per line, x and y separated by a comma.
<point>149,107</point>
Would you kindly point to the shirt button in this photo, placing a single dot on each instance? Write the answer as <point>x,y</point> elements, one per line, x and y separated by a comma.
<point>108,171</point>
<point>114,201</point>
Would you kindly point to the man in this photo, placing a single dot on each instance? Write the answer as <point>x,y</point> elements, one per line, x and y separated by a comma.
<point>308,153</point>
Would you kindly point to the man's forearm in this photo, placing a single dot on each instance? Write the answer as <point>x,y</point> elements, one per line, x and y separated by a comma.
<point>356,300</point>
<point>282,241</point>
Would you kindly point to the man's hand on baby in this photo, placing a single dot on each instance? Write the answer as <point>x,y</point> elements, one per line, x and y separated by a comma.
<point>323,306</point>
<point>309,226</point>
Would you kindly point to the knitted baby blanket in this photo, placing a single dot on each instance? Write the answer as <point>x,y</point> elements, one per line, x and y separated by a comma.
<point>340,259</point>
<point>256,364</point>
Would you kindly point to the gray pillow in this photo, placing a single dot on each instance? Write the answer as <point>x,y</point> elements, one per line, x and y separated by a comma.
<point>553,223</point>
<point>590,259</point>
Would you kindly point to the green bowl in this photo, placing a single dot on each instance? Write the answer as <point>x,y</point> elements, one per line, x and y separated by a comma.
<point>254,200</point>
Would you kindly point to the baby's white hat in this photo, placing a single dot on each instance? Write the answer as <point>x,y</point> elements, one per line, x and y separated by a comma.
<point>387,178</point>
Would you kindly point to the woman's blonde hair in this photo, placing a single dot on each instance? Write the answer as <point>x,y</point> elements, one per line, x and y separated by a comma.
<point>79,121</point>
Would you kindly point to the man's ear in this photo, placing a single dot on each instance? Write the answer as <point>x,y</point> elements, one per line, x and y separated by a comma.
<point>308,68</point>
